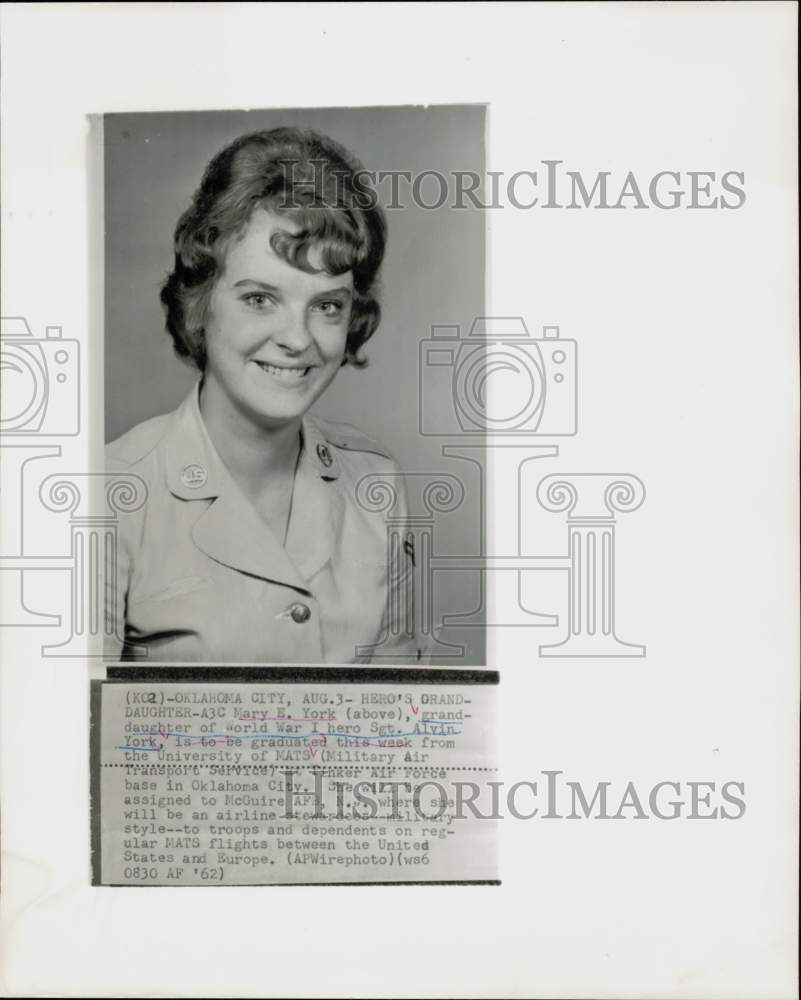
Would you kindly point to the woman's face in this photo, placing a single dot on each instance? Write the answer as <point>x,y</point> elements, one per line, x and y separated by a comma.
<point>275,336</point>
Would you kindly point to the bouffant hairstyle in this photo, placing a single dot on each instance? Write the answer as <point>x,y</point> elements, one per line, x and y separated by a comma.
<point>312,181</point>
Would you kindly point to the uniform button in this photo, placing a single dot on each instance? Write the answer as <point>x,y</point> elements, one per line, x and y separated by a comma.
<point>324,455</point>
<point>300,613</point>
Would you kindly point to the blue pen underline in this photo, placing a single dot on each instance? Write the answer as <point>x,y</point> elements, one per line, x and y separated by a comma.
<point>283,736</point>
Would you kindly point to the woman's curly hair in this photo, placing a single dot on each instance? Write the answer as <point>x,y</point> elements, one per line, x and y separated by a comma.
<point>313,181</point>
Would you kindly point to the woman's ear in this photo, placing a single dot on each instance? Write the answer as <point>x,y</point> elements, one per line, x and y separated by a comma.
<point>198,353</point>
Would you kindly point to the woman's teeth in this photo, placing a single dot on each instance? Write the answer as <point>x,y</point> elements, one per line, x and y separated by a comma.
<point>290,374</point>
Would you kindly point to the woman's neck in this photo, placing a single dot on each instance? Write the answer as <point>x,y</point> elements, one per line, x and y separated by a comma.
<point>256,456</point>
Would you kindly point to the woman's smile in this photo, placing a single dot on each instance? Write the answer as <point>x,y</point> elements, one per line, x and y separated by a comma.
<point>287,373</point>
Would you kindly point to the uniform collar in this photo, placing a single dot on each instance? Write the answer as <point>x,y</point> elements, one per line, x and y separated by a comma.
<point>229,530</point>
<point>196,472</point>
<point>317,451</point>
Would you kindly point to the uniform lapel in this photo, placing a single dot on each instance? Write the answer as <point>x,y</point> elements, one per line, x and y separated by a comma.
<point>315,521</point>
<point>227,529</point>
<point>232,533</point>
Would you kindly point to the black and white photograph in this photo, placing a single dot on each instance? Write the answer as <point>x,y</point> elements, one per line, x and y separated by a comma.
<point>264,314</point>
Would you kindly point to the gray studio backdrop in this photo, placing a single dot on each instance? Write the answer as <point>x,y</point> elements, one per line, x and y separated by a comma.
<point>433,274</point>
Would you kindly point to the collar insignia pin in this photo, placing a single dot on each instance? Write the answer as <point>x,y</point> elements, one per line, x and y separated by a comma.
<point>194,476</point>
<point>324,455</point>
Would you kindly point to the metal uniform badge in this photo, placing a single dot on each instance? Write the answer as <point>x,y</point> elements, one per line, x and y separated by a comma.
<point>325,455</point>
<point>194,476</point>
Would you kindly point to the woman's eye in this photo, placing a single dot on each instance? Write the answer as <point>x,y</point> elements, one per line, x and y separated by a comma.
<point>330,308</point>
<point>256,300</point>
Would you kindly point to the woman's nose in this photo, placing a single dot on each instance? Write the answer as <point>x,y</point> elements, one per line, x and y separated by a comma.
<point>294,335</point>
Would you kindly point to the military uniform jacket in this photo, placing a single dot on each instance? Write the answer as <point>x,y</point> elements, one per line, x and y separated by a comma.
<point>200,577</point>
